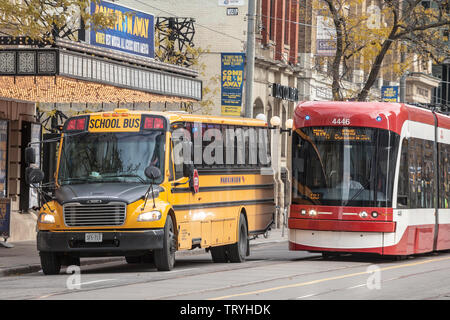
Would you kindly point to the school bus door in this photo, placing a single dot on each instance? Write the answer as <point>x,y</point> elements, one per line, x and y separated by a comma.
<point>181,198</point>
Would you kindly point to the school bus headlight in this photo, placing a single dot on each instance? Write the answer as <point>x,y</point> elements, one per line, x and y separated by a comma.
<point>149,216</point>
<point>46,218</point>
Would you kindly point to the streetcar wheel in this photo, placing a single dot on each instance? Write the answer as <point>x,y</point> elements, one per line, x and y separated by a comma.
<point>165,257</point>
<point>50,263</point>
<point>219,254</point>
<point>238,250</point>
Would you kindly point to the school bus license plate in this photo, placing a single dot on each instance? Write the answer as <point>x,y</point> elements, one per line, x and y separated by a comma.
<point>93,237</point>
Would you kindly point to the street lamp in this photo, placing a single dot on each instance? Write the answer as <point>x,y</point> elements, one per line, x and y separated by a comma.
<point>280,205</point>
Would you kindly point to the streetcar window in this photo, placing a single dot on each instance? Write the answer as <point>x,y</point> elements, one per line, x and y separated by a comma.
<point>403,181</point>
<point>421,173</point>
<point>444,174</point>
<point>344,166</point>
<point>428,174</point>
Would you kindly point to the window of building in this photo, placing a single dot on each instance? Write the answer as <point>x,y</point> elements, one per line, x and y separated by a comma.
<point>271,19</point>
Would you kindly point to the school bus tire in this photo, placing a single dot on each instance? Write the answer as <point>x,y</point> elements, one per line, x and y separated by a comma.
<point>165,257</point>
<point>238,251</point>
<point>219,254</point>
<point>50,263</point>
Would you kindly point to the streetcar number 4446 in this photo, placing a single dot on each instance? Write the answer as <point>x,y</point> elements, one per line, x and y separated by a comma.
<point>341,121</point>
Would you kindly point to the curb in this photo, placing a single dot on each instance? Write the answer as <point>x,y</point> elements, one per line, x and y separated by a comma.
<point>21,270</point>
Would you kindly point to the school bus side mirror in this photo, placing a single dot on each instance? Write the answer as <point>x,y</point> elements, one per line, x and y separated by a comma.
<point>33,175</point>
<point>153,173</point>
<point>30,156</point>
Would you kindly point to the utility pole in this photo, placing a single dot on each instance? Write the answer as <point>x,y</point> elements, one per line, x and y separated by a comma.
<point>250,59</point>
<point>403,80</point>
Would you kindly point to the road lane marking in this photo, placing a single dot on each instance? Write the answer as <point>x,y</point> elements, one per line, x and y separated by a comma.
<point>96,281</point>
<point>302,284</point>
<point>306,296</point>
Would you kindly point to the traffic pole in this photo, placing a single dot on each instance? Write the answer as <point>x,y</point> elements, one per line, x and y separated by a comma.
<point>250,59</point>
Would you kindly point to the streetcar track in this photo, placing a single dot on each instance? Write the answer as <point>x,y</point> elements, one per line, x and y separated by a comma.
<point>227,268</point>
<point>237,267</point>
<point>243,266</point>
<point>339,277</point>
<point>402,277</point>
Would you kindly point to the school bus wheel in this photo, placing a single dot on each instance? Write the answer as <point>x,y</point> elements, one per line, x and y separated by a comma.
<point>165,257</point>
<point>50,262</point>
<point>238,251</point>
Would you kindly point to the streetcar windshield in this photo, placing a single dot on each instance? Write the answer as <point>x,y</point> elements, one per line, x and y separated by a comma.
<point>343,166</point>
<point>110,157</point>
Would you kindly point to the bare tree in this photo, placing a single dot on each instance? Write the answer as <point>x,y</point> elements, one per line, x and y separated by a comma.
<point>403,25</point>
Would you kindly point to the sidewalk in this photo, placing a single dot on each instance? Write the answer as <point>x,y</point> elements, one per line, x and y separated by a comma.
<point>23,258</point>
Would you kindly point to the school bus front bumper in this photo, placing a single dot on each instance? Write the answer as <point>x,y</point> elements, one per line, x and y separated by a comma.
<point>95,242</point>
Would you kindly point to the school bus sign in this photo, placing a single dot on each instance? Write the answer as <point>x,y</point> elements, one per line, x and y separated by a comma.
<point>121,123</point>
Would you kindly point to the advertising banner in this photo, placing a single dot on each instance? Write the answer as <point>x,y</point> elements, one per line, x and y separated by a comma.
<point>5,213</point>
<point>389,93</point>
<point>232,79</point>
<point>3,157</point>
<point>134,31</point>
<point>325,37</point>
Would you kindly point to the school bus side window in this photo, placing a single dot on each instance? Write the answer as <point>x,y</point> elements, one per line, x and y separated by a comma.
<point>171,162</point>
<point>178,151</point>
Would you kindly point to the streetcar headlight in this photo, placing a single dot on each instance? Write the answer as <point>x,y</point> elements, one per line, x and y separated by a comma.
<point>149,216</point>
<point>363,214</point>
<point>46,218</point>
<point>312,213</point>
<point>374,214</point>
<point>303,212</point>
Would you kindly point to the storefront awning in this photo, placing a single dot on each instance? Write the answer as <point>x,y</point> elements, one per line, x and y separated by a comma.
<point>76,72</point>
<point>65,90</point>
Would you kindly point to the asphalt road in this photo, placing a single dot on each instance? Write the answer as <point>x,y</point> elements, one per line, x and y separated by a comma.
<point>272,272</point>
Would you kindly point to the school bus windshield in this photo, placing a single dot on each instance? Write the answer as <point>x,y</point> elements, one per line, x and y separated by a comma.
<point>110,157</point>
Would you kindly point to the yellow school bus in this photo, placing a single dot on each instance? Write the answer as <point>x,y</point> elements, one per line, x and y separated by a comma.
<point>144,185</point>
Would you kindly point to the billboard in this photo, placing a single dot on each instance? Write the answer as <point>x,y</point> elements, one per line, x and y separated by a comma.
<point>133,32</point>
<point>232,79</point>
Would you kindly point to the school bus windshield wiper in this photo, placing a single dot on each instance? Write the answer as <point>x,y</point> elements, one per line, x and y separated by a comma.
<point>77,180</point>
<point>125,175</point>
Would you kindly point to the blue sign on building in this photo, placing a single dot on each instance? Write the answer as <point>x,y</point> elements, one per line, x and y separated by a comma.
<point>232,79</point>
<point>133,32</point>
<point>389,93</point>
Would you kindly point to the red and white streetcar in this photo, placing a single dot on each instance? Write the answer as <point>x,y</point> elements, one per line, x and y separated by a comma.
<point>369,177</point>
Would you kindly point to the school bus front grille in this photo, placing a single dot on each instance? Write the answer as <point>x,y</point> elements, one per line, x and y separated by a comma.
<point>94,215</point>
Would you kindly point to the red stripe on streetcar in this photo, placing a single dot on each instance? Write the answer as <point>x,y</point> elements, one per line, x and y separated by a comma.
<point>339,225</point>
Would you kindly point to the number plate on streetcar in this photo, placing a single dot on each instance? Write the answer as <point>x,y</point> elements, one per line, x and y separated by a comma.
<point>93,237</point>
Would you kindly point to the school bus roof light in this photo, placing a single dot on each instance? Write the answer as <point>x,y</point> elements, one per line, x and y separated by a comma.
<point>76,124</point>
<point>153,123</point>
<point>117,110</point>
